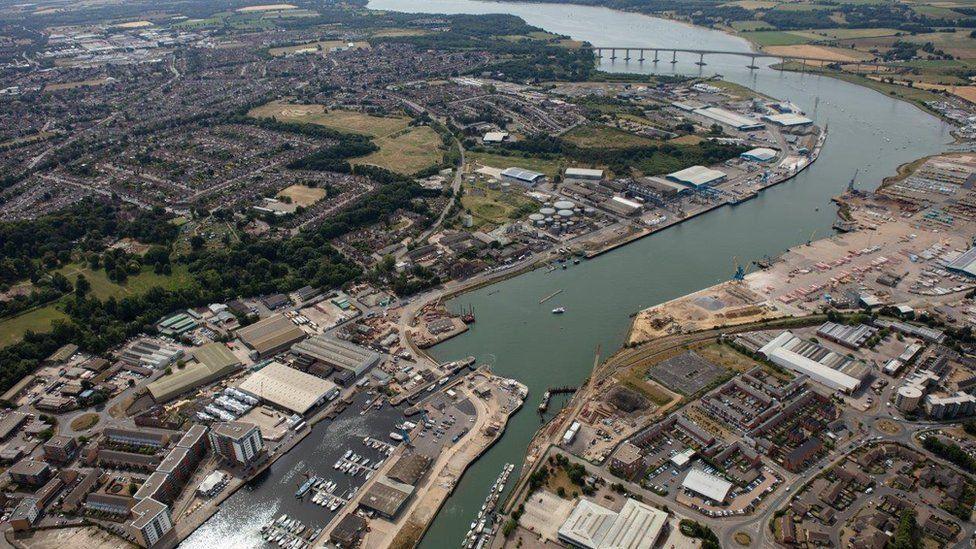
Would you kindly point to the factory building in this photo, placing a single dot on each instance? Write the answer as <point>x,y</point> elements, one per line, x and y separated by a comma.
<point>697,176</point>
<point>146,353</point>
<point>526,178</point>
<point>818,363</point>
<point>491,138</point>
<point>655,189</point>
<point>622,206</point>
<point>289,388</point>
<point>788,120</point>
<point>592,526</point>
<point>729,118</point>
<point>271,336</point>
<point>583,174</point>
<point>338,353</point>
<point>852,337</point>
<point>213,361</point>
<point>760,154</point>
<point>965,263</point>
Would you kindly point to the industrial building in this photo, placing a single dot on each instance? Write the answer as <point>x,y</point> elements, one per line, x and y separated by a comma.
<point>592,526</point>
<point>760,154</point>
<point>213,361</point>
<point>788,120</point>
<point>527,178</point>
<point>271,336</point>
<point>146,353</point>
<point>965,263</point>
<point>584,174</point>
<point>708,486</point>
<point>655,188</point>
<point>852,337</point>
<point>386,497</point>
<point>495,137</point>
<point>697,176</point>
<point>729,118</point>
<point>176,325</point>
<point>289,388</point>
<point>818,363</point>
<point>622,206</point>
<point>338,353</point>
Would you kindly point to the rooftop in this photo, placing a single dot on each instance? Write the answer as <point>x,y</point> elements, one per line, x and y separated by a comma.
<point>710,486</point>
<point>271,333</point>
<point>288,387</point>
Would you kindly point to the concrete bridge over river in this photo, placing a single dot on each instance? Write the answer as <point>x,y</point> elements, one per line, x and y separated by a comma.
<point>645,54</point>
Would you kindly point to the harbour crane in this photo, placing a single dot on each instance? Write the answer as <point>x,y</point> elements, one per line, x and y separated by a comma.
<point>740,271</point>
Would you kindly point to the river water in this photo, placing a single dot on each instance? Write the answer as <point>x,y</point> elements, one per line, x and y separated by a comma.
<point>868,131</point>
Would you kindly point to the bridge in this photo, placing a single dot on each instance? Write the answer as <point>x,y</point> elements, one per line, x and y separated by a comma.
<point>643,54</point>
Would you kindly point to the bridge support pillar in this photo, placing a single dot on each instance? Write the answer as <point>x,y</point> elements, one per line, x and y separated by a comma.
<point>627,54</point>
<point>674,56</point>
<point>752,64</point>
<point>641,60</point>
<point>655,56</point>
<point>598,52</point>
<point>613,54</point>
<point>701,60</point>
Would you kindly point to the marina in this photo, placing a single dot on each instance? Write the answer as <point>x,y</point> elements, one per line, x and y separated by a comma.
<point>485,527</point>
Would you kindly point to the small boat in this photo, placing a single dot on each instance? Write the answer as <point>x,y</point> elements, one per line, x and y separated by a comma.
<point>396,436</point>
<point>559,310</point>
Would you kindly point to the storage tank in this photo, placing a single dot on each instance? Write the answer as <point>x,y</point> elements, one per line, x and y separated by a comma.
<point>548,212</point>
<point>565,214</point>
<point>536,217</point>
<point>564,205</point>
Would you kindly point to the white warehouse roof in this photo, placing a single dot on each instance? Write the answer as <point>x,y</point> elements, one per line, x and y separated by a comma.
<point>761,154</point>
<point>788,119</point>
<point>287,387</point>
<point>776,352</point>
<point>587,525</point>
<point>638,526</point>
<point>710,486</point>
<point>522,174</point>
<point>729,118</point>
<point>584,173</point>
<point>697,176</point>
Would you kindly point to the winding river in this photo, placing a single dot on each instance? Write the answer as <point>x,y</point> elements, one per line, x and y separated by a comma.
<point>868,131</point>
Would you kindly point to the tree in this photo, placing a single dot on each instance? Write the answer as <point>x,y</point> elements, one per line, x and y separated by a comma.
<point>82,286</point>
<point>197,242</point>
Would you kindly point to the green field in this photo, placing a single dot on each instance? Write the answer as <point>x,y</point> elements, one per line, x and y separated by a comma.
<point>489,207</point>
<point>348,121</point>
<point>542,165</point>
<point>775,38</point>
<point>407,151</point>
<point>103,288</point>
<point>600,136</point>
<point>38,320</point>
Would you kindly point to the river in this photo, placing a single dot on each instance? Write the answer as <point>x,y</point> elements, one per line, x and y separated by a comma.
<point>868,131</point>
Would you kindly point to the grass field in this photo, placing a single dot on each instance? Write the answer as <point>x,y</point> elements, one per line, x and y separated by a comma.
<point>844,55</point>
<point>39,320</point>
<point>407,151</point>
<point>775,38</point>
<point>302,195</point>
<point>845,34</point>
<point>742,26</point>
<point>349,121</point>
<point>103,288</point>
<point>84,422</point>
<point>494,207</point>
<point>542,165</point>
<point>598,135</point>
<point>76,84</point>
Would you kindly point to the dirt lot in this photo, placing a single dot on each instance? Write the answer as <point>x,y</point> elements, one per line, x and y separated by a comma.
<point>822,52</point>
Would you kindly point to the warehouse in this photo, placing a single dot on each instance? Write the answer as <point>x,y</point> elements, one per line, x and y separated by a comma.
<point>592,526</point>
<point>584,173</point>
<point>213,361</point>
<point>521,176</point>
<point>788,120</point>
<point>289,388</point>
<point>759,154</point>
<point>386,497</point>
<point>965,263</point>
<point>338,353</point>
<point>795,354</point>
<point>852,337</point>
<point>697,176</point>
<point>621,206</point>
<point>150,354</point>
<point>271,336</point>
<point>729,118</point>
<point>708,486</point>
<point>655,188</point>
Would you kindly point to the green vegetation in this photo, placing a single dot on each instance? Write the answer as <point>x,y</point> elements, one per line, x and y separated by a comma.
<point>598,135</point>
<point>12,329</point>
<point>950,452</point>
<point>698,530</point>
<point>908,535</point>
<point>488,206</point>
<point>776,38</point>
<point>551,168</point>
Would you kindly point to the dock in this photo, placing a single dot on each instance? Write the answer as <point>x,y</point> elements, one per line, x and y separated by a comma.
<point>550,296</point>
